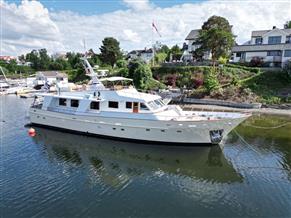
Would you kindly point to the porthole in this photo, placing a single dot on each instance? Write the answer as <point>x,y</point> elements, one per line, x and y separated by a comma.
<point>122,129</point>
<point>114,128</point>
<point>162,130</point>
<point>179,131</point>
<point>148,130</point>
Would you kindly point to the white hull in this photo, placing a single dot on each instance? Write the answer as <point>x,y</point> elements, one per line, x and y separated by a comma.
<point>166,131</point>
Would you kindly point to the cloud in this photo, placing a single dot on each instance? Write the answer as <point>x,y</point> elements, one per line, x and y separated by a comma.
<point>27,26</point>
<point>30,25</point>
<point>129,35</point>
<point>138,5</point>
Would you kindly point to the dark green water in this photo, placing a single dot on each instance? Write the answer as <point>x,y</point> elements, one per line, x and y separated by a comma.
<point>57,174</point>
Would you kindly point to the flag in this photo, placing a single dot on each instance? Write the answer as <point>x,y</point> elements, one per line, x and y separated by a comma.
<point>154,26</point>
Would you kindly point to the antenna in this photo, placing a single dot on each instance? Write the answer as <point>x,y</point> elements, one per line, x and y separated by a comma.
<point>96,84</point>
<point>3,74</point>
<point>84,44</point>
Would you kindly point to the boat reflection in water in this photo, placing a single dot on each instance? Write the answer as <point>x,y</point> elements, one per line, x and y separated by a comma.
<point>117,162</point>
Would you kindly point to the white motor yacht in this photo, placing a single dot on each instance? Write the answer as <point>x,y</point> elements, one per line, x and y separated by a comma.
<point>123,113</point>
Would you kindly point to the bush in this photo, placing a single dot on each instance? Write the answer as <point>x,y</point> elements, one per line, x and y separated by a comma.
<point>211,82</point>
<point>198,82</point>
<point>123,72</point>
<point>222,60</point>
<point>121,63</point>
<point>251,69</point>
<point>256,62</point>
<point>287,69</point>
<point>141,76</point>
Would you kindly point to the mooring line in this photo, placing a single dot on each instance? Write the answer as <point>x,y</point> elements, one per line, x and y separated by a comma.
<point>271,127</point>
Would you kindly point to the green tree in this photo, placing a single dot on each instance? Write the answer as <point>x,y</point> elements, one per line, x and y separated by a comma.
<point>216,36</point>
<point>160,57</point>
<point>176,53</point>
<point>44,59</point>
<point>287,25</point>
<point>121,63</point>
<point>132,66</point>
<point>33,57</point>
<point>74,60</point>
<point>142,76</point>
<point>110,51</point>
<point>164,49</point>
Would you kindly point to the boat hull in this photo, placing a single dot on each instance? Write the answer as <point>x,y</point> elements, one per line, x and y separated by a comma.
<point>151,131</point>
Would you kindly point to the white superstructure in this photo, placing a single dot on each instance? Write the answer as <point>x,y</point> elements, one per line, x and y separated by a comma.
<point>120,111</point>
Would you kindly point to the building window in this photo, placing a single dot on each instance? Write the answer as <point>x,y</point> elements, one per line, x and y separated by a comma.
<point>128,105</point>
<point>288,39</point>
<point>274,40</point>
<point>74,103</point>
<point>259,41</point>
<point>143,106</point>
<point>274,53</point>
<point>94,105</point>
<point>113,104</point>
<point>287,53</point>
<point>238,55</point>
<point>62,101</point>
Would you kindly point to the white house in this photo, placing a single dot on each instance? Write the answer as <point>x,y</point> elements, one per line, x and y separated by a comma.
<point>50,77</point>
<point>146,55</point>
<point>273,47</point>
<point>192,45</point>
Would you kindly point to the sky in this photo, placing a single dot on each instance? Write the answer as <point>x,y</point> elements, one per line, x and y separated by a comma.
<point>64,25</point>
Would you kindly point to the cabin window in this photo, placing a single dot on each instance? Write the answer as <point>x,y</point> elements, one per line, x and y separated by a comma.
<point>74,103</point>
<point>128,105</point>
<point>113,104</point>
<point>62,101</point>
<point>143,106</point>
<point>94,105</point>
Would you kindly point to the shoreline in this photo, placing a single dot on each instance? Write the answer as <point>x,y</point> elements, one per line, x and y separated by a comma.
<point>272,111</point>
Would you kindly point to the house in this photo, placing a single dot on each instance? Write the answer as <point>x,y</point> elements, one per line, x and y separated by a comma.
<point>49,77</point>
<point>7,58</point>
<point>146,55</point>
<point>192,45</point>
<point>272,47</point>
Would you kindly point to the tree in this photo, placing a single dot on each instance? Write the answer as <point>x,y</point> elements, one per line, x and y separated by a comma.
<point>164,49</point>
<point>287,25</point>
<point>110,51</point>
<point>141,73</point>
<point>121,63</point>
<point>34,59</point>
<point>160,57</point>
<point>44,59</point>
<point>142,76</point>
<point>176,52</point>
<point>216,36</point>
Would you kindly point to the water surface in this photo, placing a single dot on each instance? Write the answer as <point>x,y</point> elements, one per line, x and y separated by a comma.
<point>56,174</point>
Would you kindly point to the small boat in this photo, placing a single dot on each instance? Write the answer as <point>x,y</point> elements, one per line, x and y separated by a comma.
<point>117,110</point>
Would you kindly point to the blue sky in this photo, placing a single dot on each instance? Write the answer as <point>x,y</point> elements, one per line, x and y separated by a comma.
<point>89,7</point>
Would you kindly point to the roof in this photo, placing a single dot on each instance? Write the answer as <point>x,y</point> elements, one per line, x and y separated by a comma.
<point>193,34</point>
<point>52,74</point>
<point>134,94</point>
<point>258,33</point>
<point>141,51</point>
<point>115,78</point>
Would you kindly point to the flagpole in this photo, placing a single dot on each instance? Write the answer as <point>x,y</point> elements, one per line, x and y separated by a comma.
<point>153,62</point>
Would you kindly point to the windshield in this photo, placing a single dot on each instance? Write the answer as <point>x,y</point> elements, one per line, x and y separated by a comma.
<point>156,104</point>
